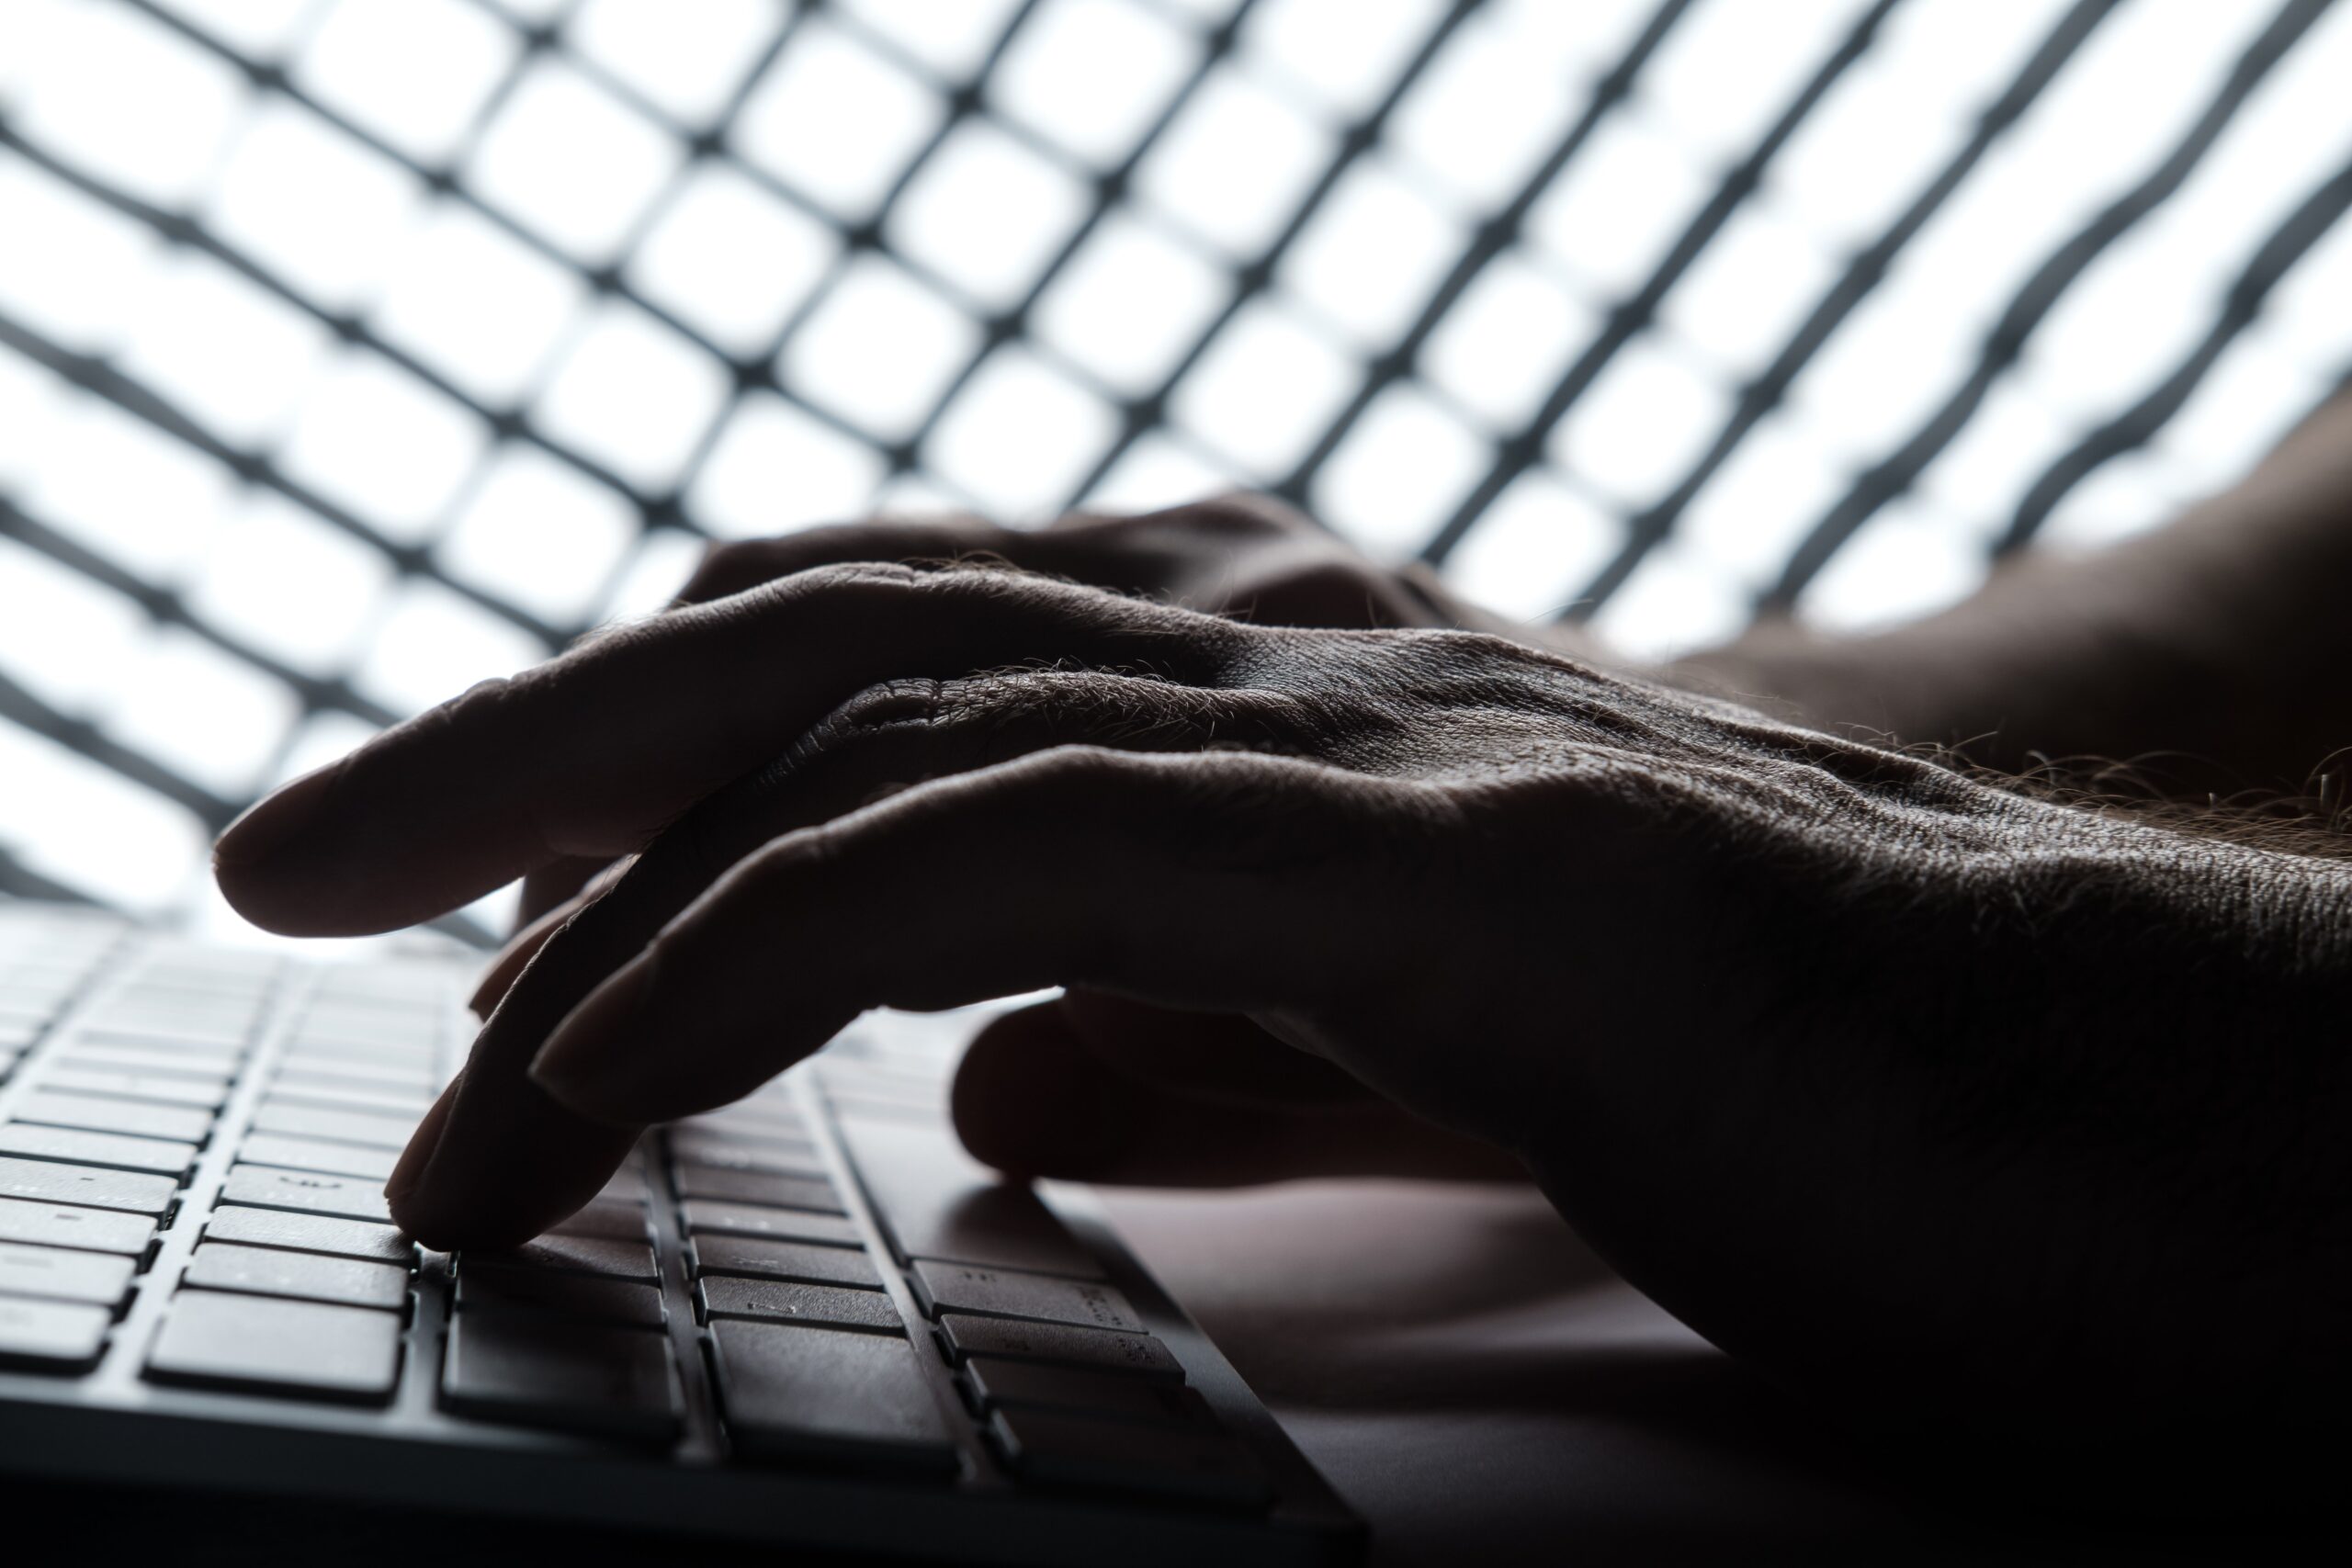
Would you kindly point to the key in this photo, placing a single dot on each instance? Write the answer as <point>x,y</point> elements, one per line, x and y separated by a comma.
<point>313,1153</point>
<point>169,1029</point>
<point>312,1233</point>
<point>204,1093</point>
<point>791,1392</point>
<point>1001,1292</point>
<point>327,1097</point>
<point>782,1260</point>
<point>609,1221</point>
<point>812,1193</point>
<point>92,1230</point>
<point>786,1225</point>
<point>307,1067</point>
<point>157,1155</point>
<point>336,1126</point>
<point>54,1274</point>
<point>781,1157</point>
<point>52,1336</point>
<point>869,1310</point>
<point>1057,1449</point>
<point>97,1113</point>
<point>169,1061</point>
<point>44,1182</point>
<point>997,1381</point>
<point>343,1196</point>
<point>751,1120</point>
<point>530,1369</point>
<point>485,1286</point>
<point>604,1257</point>
<point>303,1348</point>
<point>1139,1355</point>
<point>306,1276</point>
<point>936,1202</point>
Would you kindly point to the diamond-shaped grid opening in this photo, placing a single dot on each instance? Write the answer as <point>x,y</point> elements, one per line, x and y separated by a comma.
<point>478,305</point>
<point>416,72</point>
<point>636,393</point>
<point>539,531</point>
<point>1535,550</point>
<point>319,208</point>
<point>987,213</point>
<point>1093,75</point>
<point>288,587</point>
<point>730,260</point>
<point>881,346</point>
<point>1235,162</point>
<point>1020,436</point>
<point>1373,254</point>
<point>1503,348</point>
<point>383,446</point>
<point>1130,302</point>
<point>835,120</point>
<point>1403,470</point>
<point>224,350</point>
<point>689,61</point>
<point>776,468</point>
<point>572,163</point>
<point>1264,390</point>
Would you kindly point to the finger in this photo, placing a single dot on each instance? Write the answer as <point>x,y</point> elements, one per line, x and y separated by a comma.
<point>1034,1098</point>
<point>592,753</point>
<point>558,881</point>
<point>512,1160</point>
<point>1216,882</point>
<point>1214,1057</point>
<point>511,959</point>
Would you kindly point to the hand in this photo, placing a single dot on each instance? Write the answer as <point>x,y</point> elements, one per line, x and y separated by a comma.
<point>1245,557</point>
<point>1794,1028</point>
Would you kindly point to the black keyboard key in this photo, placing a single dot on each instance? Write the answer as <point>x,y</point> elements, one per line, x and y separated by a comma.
<point>604,1257</point>
<point>486,1286</point>
<point>53,1337</point>
<point>996,1381</point>
<point>810,1394</point>
<point>90,1230</point>
<point>1003,1293</point>
<point>302,1276</point>
<point>783,1225</point>
<point>55,1274</point>
<point>41,1181</point>
<point>336,1126</point>
<point>782,1260</point>
<point>317,1154</point>
<point>196,1092</point>
<point>936,1202</point>
<point>358,1239</point>
<point>829,1305</point>
<point>779,1156</point>
<point>101,1113</point>
<point>813,1193</point>
<point>341,1197</point>
<point>610,1221</point>
<point>1055,1450</point>
<point>302,1349</point>
<point>159,1156</point>
<point>1059,1344</point>
<point>529,1369</point>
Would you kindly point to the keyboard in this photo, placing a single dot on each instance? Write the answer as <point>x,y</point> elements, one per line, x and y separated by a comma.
<point>807,1317</point>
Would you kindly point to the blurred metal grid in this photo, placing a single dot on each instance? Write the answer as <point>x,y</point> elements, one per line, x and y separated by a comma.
<point>667,509</point>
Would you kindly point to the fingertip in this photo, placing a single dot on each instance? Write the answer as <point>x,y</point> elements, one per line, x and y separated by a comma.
<point>1029,1100</point>
<point>250,856</point>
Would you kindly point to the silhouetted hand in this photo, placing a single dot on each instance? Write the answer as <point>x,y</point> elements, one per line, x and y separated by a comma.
<point>1884,1078</point>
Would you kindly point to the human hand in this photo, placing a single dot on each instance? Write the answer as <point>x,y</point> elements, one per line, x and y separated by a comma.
<point>1245,557</point>
<point>1717,980</point>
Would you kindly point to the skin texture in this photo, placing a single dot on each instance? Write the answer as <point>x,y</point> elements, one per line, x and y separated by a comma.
<point>1977,1118</point>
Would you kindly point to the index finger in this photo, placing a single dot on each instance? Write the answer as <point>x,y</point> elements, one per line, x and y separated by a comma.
<point>592,753</point>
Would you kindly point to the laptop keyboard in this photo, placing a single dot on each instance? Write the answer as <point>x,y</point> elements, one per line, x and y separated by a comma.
<point>814,1281</point>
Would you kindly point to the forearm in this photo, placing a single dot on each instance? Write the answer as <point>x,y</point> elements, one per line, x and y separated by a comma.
<point>2064,1172</point>
<point>2204,653</point>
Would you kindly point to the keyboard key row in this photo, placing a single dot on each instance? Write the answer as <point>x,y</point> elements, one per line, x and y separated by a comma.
<point>310,1233</point>
<point>159,1156</point>
<point>302,1276</point>
<point>41,1182</point>
<point>90,1230</point>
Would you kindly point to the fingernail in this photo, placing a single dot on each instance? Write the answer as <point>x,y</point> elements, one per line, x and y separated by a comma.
<point>276,820</point>
<point>410,1171</point>
<point>596,1041</point>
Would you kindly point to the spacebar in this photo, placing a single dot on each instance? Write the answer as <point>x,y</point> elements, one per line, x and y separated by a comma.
<point>934,1200</point>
